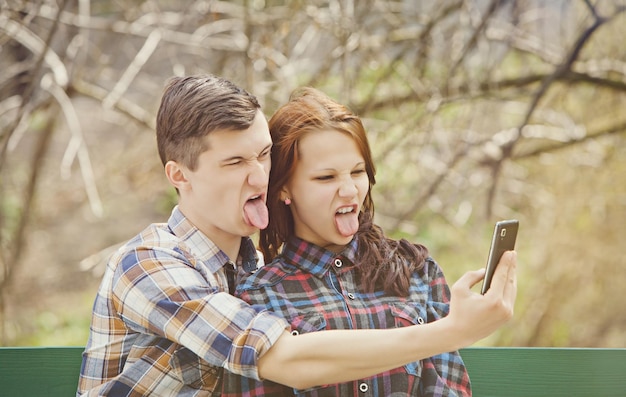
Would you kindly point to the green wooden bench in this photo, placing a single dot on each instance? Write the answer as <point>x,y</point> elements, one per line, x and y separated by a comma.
<point>494,371</point>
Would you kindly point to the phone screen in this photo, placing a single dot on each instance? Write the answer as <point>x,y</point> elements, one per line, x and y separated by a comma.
<point>503,239</point>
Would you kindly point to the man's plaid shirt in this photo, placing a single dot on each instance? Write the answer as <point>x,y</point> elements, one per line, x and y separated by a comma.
<point>163,322</point>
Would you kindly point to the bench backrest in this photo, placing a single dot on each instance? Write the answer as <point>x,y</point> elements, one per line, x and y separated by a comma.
<point>526,372</point>
<point>497,371</point>
<point>39,371</point>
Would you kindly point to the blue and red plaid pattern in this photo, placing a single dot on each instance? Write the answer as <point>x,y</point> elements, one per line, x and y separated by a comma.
<point>315,289</point>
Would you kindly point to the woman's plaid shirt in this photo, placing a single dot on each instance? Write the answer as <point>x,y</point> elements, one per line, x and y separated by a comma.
<point>315,289</point>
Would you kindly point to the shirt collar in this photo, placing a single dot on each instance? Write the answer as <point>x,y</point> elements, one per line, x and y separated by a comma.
<point>315,259</point>
<point>205,250</point>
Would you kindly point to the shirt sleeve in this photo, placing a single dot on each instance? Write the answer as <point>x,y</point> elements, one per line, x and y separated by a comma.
<point>234,385</point>
<point>444,371</point>
<point>439,291</point>
<point>160,292</point>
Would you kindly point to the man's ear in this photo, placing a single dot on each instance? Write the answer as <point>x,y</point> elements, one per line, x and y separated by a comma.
<point>176,175</point>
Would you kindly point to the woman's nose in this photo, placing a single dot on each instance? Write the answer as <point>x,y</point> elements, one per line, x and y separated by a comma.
<point>348,188</point>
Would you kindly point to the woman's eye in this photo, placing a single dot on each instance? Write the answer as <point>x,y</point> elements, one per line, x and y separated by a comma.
<point>324,177</point>
<point>358,172</point>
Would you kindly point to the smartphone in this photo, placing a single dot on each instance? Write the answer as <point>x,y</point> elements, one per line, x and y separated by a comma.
<point>503,239</point>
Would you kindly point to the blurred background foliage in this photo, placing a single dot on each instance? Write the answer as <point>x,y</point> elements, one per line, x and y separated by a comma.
<point>477,110</point>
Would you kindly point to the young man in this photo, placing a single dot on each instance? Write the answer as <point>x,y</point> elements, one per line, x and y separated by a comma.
<point>164,323</point>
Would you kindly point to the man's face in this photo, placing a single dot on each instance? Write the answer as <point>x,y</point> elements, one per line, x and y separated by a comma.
<point>225,195</point>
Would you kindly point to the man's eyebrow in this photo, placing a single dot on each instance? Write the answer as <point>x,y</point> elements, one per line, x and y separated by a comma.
<point>268,147</point>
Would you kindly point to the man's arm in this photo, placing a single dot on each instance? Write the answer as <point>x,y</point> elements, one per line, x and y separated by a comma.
<point>343,355</point>
<point>156,292</point>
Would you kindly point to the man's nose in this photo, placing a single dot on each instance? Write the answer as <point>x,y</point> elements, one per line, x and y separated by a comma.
<point>259,175</point>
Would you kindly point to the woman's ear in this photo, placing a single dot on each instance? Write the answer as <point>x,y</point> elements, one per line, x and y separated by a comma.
<point>176,175</point>
<point>284,194</point>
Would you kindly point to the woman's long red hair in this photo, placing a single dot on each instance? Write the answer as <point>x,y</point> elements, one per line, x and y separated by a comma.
<point>382,262</point>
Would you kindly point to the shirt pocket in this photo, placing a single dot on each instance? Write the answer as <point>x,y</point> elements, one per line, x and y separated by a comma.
<point>405,315</point>
<point>307,322</point>
<point>194,372</point>
<point>301,324</point>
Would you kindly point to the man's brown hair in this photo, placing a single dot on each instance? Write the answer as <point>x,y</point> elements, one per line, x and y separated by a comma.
<point>194,106</point>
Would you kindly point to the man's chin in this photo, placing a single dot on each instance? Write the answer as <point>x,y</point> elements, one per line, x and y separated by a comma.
<point>249,230</point>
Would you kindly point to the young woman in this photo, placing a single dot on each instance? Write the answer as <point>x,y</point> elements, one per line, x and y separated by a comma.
<point>332,268</point>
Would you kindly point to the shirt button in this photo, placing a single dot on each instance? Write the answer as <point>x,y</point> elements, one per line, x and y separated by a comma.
<point>420,320</point>
<point>338,262</point>
<point>363,387</point>
<point>295,332</point>
<point>351,295</point>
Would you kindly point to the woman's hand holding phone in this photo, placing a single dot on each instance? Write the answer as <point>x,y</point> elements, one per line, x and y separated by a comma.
<point>478,315</point>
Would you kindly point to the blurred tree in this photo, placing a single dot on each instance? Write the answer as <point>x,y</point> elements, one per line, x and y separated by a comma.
<point>477,110</point>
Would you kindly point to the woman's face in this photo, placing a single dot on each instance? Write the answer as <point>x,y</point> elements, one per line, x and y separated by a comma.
<point>327,189</point>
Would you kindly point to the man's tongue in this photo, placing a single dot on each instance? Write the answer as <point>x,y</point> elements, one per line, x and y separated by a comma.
<point>256,212</point>
<point>347,224</point>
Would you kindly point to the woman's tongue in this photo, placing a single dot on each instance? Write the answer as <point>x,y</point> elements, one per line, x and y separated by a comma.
<point>256,212</point>
<point>347,224</point>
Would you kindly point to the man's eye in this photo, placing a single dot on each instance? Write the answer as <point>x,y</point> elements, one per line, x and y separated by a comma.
<point>234,162</point>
